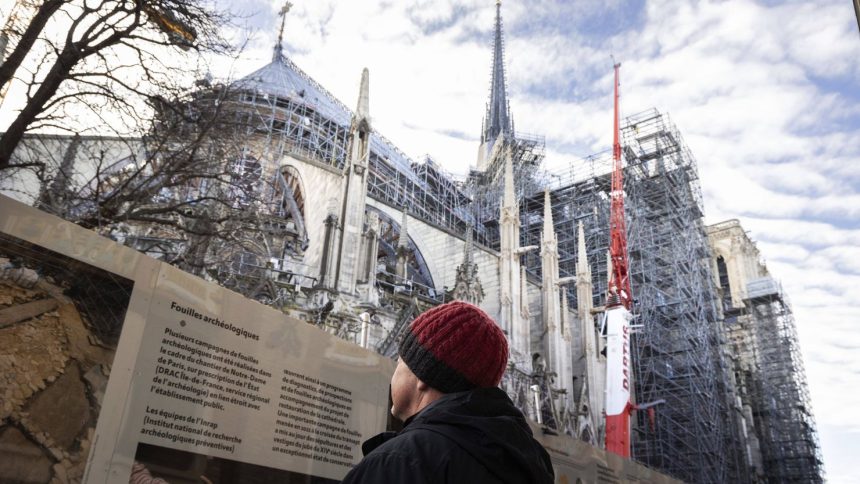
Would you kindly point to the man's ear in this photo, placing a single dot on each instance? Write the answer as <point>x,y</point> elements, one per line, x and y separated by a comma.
<point>422,387</point>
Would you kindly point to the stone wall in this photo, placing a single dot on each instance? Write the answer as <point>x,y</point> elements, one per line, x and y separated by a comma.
<point>53,374</point>
<point>740,254</point>
<point>443,252</point>
<point>322,188</point>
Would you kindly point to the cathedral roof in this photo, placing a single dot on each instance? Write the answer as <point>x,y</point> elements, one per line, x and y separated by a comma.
<point>283,78</point>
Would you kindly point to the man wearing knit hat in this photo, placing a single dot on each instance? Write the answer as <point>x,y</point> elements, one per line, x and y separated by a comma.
<point>459,427</point>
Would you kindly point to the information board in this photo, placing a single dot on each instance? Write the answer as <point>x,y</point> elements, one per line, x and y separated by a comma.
<point>201,384</point>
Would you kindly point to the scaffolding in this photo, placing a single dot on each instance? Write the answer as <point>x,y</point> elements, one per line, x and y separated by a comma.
<point>781,406</point>
<point>286,112</point>
<point>485,189</point>
<point>677,354</point>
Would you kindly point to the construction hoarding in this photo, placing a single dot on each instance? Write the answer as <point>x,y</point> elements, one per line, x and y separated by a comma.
<point>116,366</point>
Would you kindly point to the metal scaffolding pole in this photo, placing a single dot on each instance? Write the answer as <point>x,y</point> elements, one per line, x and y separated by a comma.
<point>782,409</point>
<point>677,353</point>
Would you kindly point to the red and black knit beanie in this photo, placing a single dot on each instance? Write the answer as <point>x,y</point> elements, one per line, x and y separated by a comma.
<point>455,347</point>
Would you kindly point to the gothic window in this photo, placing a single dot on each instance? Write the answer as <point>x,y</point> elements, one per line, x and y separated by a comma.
<point>723,274</point>
<point>417,271</point>
<point>288,208</point>
<point>288,191</point>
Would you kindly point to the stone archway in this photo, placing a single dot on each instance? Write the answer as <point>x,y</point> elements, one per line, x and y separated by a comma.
<point>417,269</point>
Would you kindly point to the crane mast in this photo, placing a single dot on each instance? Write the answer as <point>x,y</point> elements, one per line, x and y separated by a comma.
<point>618,316</point>
<point>619,282</point>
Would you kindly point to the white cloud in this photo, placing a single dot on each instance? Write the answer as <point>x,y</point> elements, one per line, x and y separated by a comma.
<point>765,95</point>
<point>744,81</point>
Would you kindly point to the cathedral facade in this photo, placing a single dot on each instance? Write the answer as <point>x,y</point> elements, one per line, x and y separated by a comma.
<point>356,238</point>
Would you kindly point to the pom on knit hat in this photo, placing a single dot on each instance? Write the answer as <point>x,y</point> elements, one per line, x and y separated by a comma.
<point>455,347</point>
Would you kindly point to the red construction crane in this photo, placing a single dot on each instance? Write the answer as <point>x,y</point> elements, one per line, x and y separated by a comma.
<point>619,282</point>
<point>618,316</point>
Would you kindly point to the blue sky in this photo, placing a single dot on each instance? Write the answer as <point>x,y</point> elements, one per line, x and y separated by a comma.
<point>765,94</point>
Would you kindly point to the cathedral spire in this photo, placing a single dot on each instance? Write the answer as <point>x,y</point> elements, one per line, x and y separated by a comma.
<point>582,268</point>
<point>279,47</point>
<point>498,115</point>
<point>354,198</point>
<point>548,228</point>
<point>468,285</point>
<point>362,111</point>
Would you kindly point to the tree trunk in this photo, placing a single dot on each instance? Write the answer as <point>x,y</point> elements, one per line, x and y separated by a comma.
<point>25,43</point>
<point>58,73</point>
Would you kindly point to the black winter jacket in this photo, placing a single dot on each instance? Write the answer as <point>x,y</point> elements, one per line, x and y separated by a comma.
<point>471,437</point>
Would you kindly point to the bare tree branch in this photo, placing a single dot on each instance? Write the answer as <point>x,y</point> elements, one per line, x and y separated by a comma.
<point>13,61</point>
<point>100,31</point>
